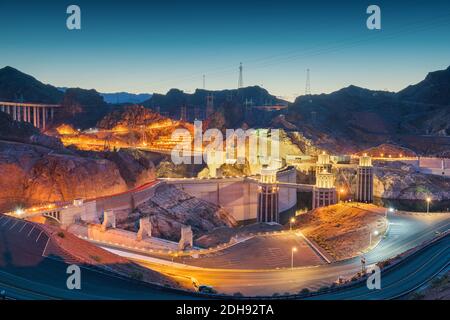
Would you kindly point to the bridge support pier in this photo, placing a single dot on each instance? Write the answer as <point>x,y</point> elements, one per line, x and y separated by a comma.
<point>186,240</point>
<point>42,113</point>
<point>109,220</point>
<point>145,229</point>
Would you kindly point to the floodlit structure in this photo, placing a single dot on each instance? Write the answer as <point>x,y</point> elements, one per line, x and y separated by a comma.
<point>323,163</point>
<point>324,192</point>
<point>364,180</point>
<point>268,196</point>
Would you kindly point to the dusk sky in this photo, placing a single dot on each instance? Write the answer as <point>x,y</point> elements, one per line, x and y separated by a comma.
<point>152,46</point>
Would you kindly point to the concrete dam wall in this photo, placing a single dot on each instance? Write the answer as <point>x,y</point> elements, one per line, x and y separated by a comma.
<point>238,195</point>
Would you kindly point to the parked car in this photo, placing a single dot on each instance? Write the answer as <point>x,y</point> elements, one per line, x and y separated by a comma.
<point>206,289</point>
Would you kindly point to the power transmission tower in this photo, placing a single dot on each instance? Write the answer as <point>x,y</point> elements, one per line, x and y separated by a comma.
<point>241,81</point>
<point>308,84</point>
<point>248,105</point>
<point>209,105</point>
<point>204,86</point>
<point>183,113</point>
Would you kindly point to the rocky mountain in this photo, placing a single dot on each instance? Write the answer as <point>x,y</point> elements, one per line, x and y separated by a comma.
<point>434,89</point>
<point>125,97</point>
<point>130,117</point>
<point>175,98</point>
<point>227,103</point>
<point>362,118</point>
<point>348,120</point>
<point>82,108</point>
<point>16,86</point>
<point>36,168</point>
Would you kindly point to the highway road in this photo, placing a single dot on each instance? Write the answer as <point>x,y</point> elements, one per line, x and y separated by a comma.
<point>405,232</point>
<point>47,281</point>
<point>405,278</point>
<point>25,274</point>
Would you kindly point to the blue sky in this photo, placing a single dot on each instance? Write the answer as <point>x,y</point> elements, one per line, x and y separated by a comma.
<point>152,46</point>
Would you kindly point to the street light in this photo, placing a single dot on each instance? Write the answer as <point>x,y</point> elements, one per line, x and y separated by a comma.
<point>390,209</point>
<point>341,192</point>
<point>294,249</point>
<point>290,223</point>
<point>375,233</point>
<point>428,204</point>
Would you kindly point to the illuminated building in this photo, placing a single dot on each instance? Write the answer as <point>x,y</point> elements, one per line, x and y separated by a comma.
<point>324,192</point>
<point>268,196</point>
<point>364,180</point>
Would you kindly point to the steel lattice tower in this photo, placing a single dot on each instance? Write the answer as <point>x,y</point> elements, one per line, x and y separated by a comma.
<point>308,84</point>
<point>209,104</point>
<point>241,81</point>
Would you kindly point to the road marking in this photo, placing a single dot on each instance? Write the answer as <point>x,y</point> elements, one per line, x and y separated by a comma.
<point>39,236</point>
<point>13,225</point>
<point>45,248</point>
<point>2,218</point>
<point>24,225</point>
<point>30,232</point>
<point>406,278</point>
<point>4,224</point>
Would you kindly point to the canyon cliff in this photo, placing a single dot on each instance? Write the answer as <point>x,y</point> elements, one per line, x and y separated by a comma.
<point>36,168</point>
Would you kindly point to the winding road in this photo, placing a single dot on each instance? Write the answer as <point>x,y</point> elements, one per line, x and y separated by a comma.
<point>47,278</point>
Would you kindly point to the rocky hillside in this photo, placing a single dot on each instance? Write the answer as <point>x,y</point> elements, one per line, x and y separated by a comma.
<point>361,118</point>
<point>170,209</point>
<point>400,181</point>
<point>82,108</point>
<point>16,85</point>
<point>174,98</point>
<point>36,168</point>
<point>434,89</point>
<point>34,174</point>
<point>386,150</point>
<point>130,117</point>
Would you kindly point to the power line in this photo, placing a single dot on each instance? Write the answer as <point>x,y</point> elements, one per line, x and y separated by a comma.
<point>348,43</point>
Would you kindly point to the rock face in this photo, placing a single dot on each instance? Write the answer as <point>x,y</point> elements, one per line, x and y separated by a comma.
<point>387,149</point>
<point>170,209</point>
<point>34,174</point>
<point>132,116</point>
<point>401,181</point>
<point>167,169</point>
<point>136,167</point>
